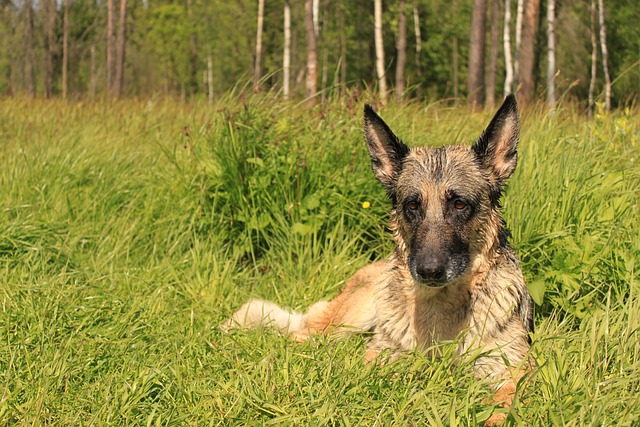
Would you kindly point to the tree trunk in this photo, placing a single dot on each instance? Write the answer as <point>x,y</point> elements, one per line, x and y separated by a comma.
<point>594,57</point>
<point>93,80</point>
<point>527,52</point>
<point>456,82</point>
<point>325,54</point>
<point>382,81</point>
<point>286,57</point>
<point>316,16</point>
<point>416,29</point>
<point>49,46</point>
<point>493,54</point>
<point>476,54</point>
<point>605,56</point>
<point>401,44</point>
<point>65,51</point>
<point>551,53</point>
<point>343,52</point>
<point>508,61</point>
<point>312,53</point>
<point>210,76</point>
<point>121,44</point>
<point>193,56</point>
<point>257,66</point>
<point>29,57</point>
<point>516,63</point>
<point>111,46</point>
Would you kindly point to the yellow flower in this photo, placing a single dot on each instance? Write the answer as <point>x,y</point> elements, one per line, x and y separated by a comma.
<point>366,205</point>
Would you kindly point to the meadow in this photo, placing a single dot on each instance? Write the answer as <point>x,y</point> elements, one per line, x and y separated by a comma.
<point>129,230</point>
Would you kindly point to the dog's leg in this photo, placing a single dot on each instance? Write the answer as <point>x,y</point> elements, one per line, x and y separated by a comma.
<point>351,311</point>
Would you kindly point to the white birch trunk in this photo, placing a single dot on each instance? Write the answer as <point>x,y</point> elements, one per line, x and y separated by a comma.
<point>518,41</point>
<point>551,53</point>
<point>416,29</point>
<point>286,58</point>
<point>605,56</point>
<point>256,69</point>
<point>316,13</point>
<point>508,60</point>
<point>382,81</point>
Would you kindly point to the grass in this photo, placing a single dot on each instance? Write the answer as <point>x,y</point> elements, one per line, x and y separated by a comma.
<point>128,231</point>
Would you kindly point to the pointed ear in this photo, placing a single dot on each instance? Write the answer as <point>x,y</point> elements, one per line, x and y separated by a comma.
<point>496,148</point>
<point>385,149</point>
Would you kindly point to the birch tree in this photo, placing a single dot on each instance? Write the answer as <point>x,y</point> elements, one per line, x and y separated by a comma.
<point>605,56</point>
<point>286,56</point>
<point>312,53</point>
<point>551,53</point>
<point>416,30</point>
<point>401,45</point>
<point>508,61</point>
<point>382,80</point>
<point>518,41</point>
<point>257,74</point>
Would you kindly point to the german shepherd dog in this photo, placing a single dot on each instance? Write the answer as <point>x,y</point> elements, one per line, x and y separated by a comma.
<point>452,274</point>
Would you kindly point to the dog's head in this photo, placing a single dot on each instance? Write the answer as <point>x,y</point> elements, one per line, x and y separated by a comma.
<point>445,200</point>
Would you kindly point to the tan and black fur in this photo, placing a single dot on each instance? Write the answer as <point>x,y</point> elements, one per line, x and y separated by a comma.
<point>452,275</point>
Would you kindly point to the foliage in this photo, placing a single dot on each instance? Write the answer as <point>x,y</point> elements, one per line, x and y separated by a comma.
<point>170,43</point>
<point>130,230</point>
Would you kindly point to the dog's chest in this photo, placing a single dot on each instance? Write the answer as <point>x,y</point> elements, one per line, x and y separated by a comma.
<point>413,318</point>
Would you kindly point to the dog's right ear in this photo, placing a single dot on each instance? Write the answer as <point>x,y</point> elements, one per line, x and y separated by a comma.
<point>385,149</point>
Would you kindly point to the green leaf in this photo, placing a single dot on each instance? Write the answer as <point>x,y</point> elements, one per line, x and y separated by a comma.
<point>537,288</point>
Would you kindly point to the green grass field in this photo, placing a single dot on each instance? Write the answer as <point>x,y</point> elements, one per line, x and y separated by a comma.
<point>128,231</point>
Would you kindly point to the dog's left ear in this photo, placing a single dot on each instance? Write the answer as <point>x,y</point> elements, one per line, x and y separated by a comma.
<point>385,149</point>
<point>496,147</point>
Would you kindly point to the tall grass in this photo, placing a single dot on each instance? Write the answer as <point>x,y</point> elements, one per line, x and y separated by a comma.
<point>129,230</point>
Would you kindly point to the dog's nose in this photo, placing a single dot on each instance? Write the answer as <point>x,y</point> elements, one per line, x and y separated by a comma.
<point>431,270</point>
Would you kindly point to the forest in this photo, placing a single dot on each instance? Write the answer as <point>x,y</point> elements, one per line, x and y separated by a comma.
<point>570,50</point>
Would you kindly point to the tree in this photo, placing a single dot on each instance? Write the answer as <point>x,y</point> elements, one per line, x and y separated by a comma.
<point>551,53</point>
<point>527,51</point>
<point>416,30</point>
<point>49,45</point>
<point>476,54</point>
<point>65,49</point>
<point>508,61</point>
<point>379,42</point>
<point>29,54</point>
<point>312,53</point>
<point>594,57</point>
<point>286,57</point>
<point>121,42</point>
<point>605,56</point>
<point>401,45</point>
<point>258,59</point>
<point>518,41</point>
<point>493,54</point>
<point>111,46</point>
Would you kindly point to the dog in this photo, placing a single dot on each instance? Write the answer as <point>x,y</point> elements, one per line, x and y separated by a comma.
<point>452,275</point>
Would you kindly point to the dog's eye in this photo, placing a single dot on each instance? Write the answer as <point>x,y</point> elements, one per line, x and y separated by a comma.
<point>413,205</point>
<point>459,204</point>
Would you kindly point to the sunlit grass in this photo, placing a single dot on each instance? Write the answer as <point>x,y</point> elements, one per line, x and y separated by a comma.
<point>128,231</point>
